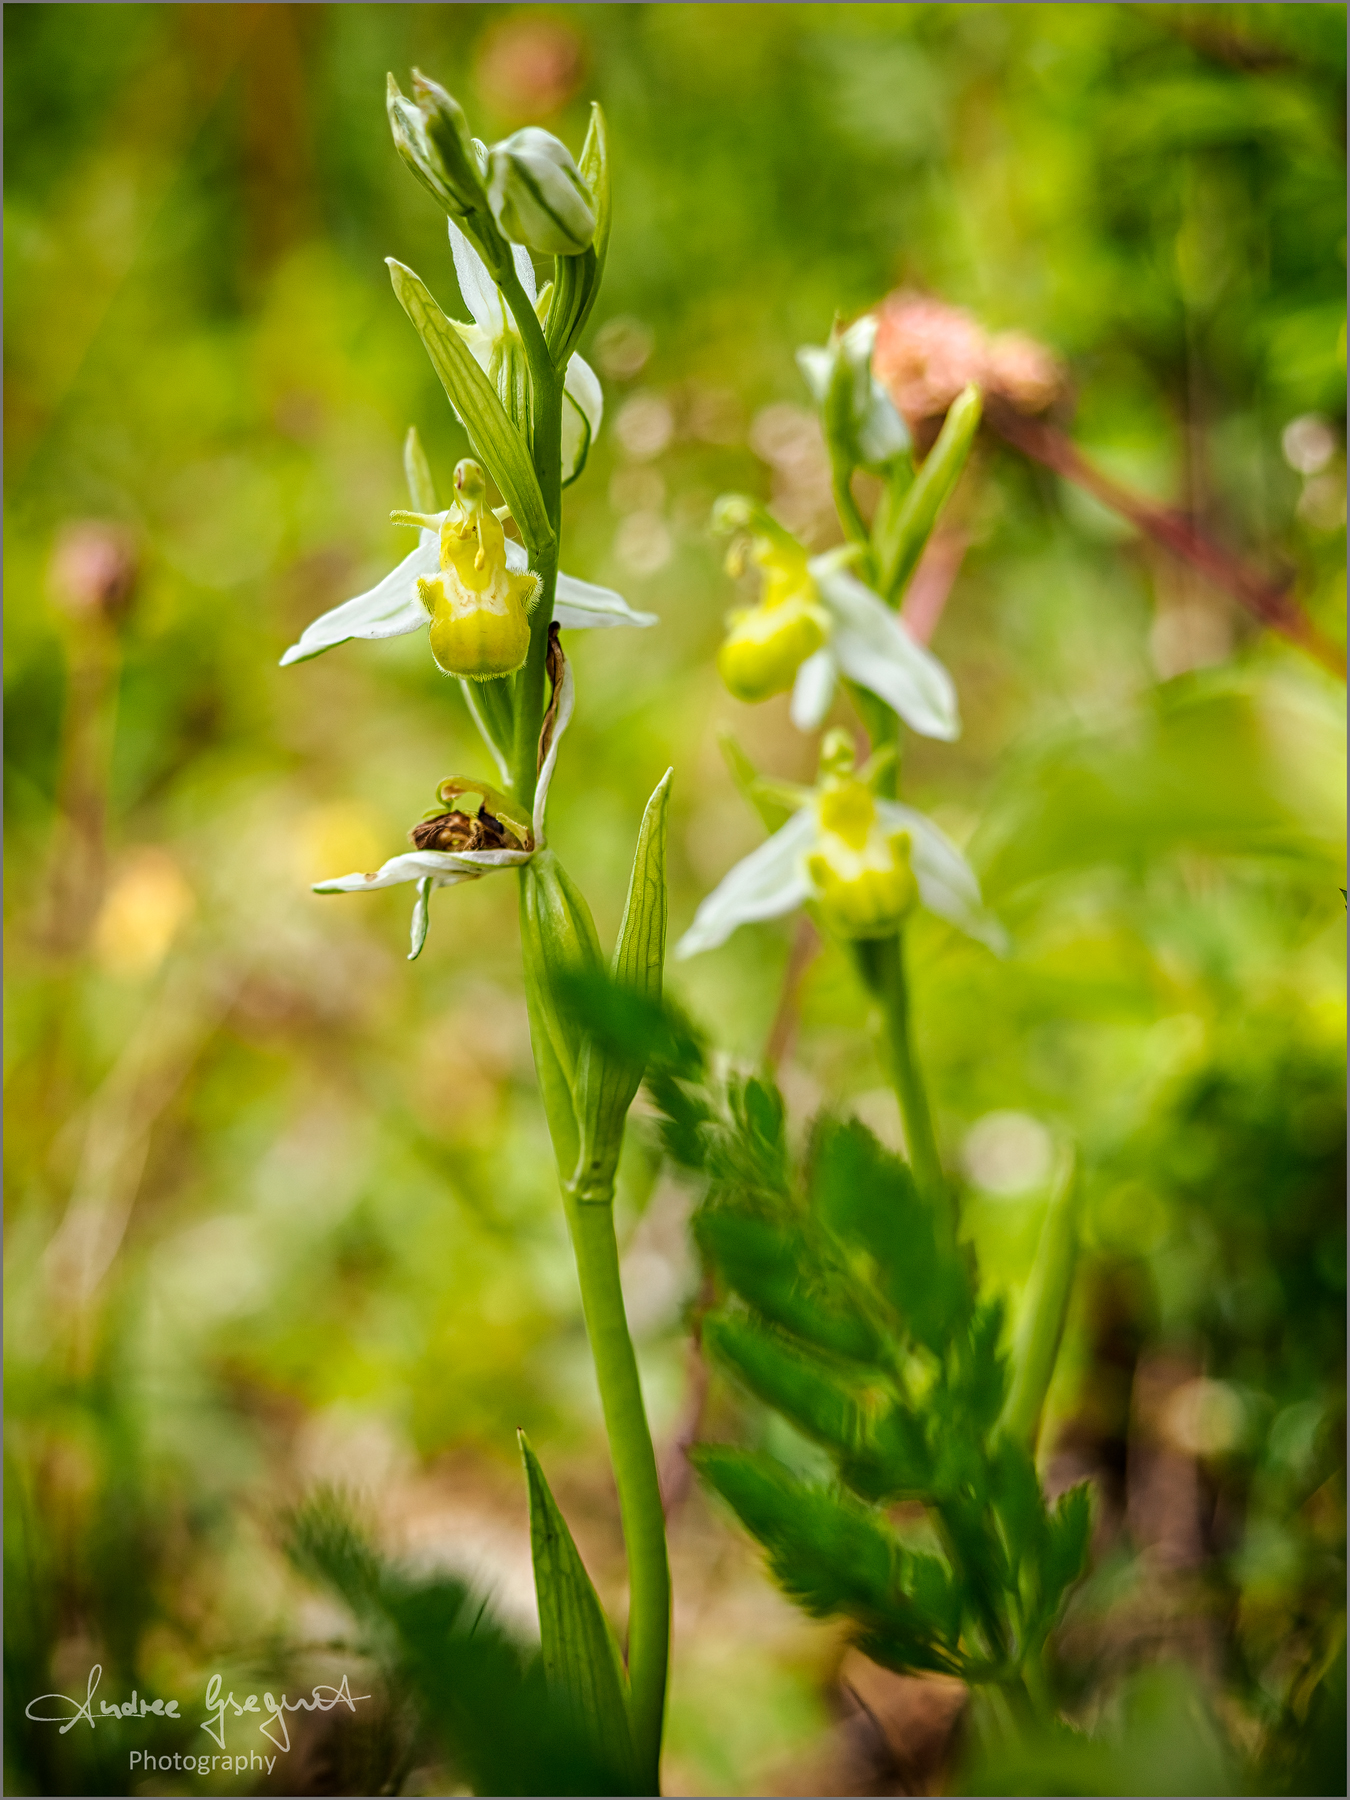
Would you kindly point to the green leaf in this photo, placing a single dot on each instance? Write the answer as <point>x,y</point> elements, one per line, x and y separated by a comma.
<point>582,1664</point>
<point>771,1265</point>
<point>815,1396</point>
<point>608,1079</point>
<point>576,279</point>
<point>868,1197</point>
<point>772,805</point>
<point>1044,1309</point>
<point>1066,1551</point>
<point>904,525</point>
<point>832,1555</point>
<point>495,439</point>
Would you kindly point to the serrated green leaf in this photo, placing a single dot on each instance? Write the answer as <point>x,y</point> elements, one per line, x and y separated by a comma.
<point>904,524</point>
<point>495,439</point>
<point>868,1197</point>
<point>807,1390</point>
<point>771,1266</point>
<point>609,1078</point>
<point>834,1556</point>
<point>582,1665</point>
<point>1066,1552</point>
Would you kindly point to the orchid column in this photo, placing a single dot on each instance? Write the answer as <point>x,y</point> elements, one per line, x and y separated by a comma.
<point>494,608</point>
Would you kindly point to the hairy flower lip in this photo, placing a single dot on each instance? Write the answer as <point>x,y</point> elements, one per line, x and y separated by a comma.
<point>446,868</point>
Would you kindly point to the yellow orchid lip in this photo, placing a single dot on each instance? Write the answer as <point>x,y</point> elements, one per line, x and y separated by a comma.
<point>768,643</point>
<point>859,872</point>
<point>479,607</point>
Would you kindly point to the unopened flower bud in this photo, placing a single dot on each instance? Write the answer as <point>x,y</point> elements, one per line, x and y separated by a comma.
<point>478,606</point>
<point>860,873</point>
<point>432,136</point>
<point>537,194</point>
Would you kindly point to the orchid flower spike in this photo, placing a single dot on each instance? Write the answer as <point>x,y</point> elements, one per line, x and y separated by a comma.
<point>475,829</point>
<point>815,622</point>
<point>863,862</point>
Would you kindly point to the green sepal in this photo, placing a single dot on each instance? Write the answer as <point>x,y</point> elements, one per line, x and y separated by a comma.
<point>608,1080</point>
<point>495,439</point>
<point>905,519</point>
<point>582,1664</point>
<point>771,805</point>
<point>576,279</point>
<point>421,484</point>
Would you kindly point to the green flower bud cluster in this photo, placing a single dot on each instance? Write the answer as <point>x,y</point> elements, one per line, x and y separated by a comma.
<point>526,189</point>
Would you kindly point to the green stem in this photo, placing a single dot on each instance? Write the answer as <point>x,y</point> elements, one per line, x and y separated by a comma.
<point>591,1224</point>
<point>882,965</point>
<point>546,453</point>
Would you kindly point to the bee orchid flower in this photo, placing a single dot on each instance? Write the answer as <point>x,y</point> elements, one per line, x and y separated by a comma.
<point>862,861</point>
<point>816,622</point>
<point>475,830</point>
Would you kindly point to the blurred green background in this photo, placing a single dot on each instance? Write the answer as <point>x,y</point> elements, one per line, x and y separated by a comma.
<point>280,1206</point>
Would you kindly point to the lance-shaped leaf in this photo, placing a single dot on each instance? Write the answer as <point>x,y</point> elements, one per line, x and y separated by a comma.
<point>495,439</point>
<point>609,1079</point>
<point>903,525</point>
<point>1044,1308</point>
<point>576,279</point>
<point>582,1665</point>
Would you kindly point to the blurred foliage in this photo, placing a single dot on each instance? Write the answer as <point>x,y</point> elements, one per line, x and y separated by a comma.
<point>280,1208</point>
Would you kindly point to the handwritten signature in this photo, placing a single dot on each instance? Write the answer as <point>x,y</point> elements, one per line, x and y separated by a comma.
<point>271,1713</point>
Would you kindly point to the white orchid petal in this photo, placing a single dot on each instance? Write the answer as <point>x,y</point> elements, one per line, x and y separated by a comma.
<point>578,605</point>
<point>562,718</point>
<point>390,609</point>
<point>947,883</point>
<point>764,885</point>
<point>813,690</point>
<point>582,386</point>
<point>583,409</point>
<point>525,271</point>
<point>874,649</point>
<point>444,867</point>
<point>481,293</point>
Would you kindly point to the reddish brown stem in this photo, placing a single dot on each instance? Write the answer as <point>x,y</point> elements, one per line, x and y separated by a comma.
<point>1268,601</point>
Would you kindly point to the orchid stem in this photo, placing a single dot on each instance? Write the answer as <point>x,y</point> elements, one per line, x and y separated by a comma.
<point>591,1223</point>
<point>881,961</point>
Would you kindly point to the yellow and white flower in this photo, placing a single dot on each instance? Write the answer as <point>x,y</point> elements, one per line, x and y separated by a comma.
<point>815,622</point>
<point>863,861</point>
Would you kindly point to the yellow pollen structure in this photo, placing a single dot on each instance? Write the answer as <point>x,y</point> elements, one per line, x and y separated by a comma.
<point>767,643</point>
<point>860,872</point>
<point>478,606</point>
